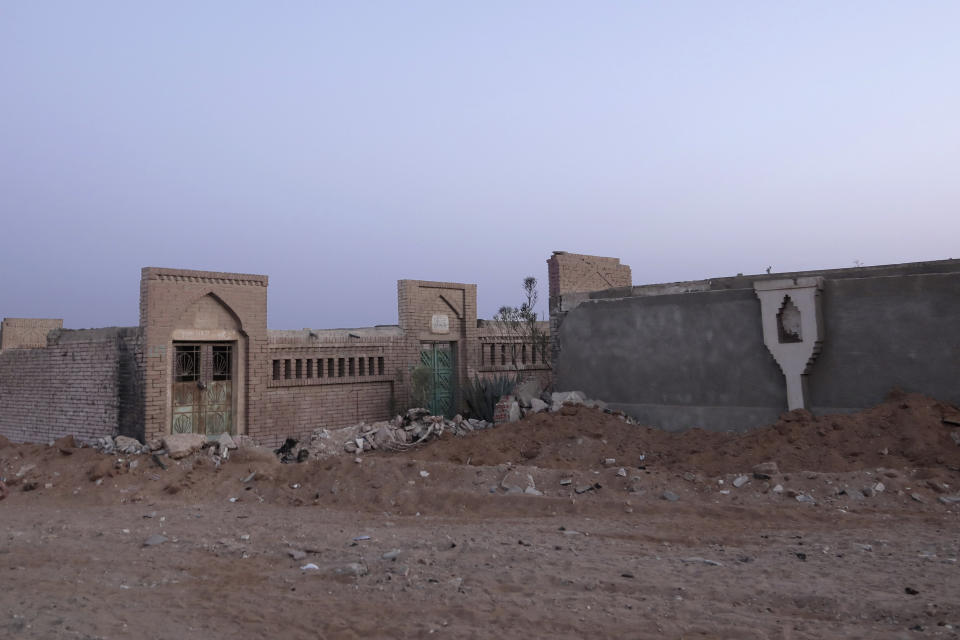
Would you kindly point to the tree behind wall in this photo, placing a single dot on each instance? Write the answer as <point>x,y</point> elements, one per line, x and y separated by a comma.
<point>520,324</point>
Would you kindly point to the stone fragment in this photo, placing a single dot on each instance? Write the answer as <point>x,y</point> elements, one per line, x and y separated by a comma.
<point>765,470</point>
<point>296,554</point>
<point>609,462</point>
<point>226,440</point>
<point>354,569</point>
<point>917,497</point>
<point>805,498</point>
<point>739,481</point>
<point>778,488</point>
<point>392,555</point>
<point>180,445</point>
<point>622,472</point>
<point>537,405</point>
<point>669,496</point>
<point>127,445</point>
<point>566,482</point>
<point>583,488</point>
<point>528,391</point>
<point>154,540</point>
<point>698,560</point>
<point>309,567</point>
<point>949,499</point>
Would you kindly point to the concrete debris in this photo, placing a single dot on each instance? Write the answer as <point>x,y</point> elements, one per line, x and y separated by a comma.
<point>527,392</point>
<point>180,445</point>
<point>129,446</point>
<point>154,540</point>
<point>698,560</point>
<point>415,427</point>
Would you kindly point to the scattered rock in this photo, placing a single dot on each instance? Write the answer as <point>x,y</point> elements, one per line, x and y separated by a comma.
<point>129,446</point>
<point>669,496</point>
<point>309,567</point>
<point>537,405</point>
<point>180,445</point>
<point>392,555</point>
<point>739,481</point>
<point>917,497</point>
<point>622,472</point>
<point>528,391</point>
<point>778,489</point>
<point>698,560</point>
<point>949,499</point>
<point>802,497</point>
<point>354,569</point>
<point>564,482</point>
<point>296,554</point>
<point>154,540</point>
<point>226,440</point>
<point>765,470</point>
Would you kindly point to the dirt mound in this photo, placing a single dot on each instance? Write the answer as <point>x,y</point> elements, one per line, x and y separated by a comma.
<point>906,430</point>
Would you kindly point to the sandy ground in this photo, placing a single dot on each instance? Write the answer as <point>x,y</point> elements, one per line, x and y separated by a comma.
<point>469,556</point>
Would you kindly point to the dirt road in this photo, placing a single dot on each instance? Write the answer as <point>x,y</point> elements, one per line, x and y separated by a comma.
<point>427,544</point>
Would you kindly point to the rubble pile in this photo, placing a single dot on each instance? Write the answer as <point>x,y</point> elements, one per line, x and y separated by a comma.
<point>415,427</point>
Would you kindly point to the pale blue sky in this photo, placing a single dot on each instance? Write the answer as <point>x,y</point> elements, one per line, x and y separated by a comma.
<point>338,147</point>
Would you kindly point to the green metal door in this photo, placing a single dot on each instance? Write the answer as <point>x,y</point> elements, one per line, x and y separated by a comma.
<point>439,357</point>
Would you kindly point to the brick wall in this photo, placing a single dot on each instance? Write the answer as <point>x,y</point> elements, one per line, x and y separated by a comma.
<point>418,303</point>
<point>168,301</point>
<point>68,387</point>
<point>26,333</point>
<point>575,273</point>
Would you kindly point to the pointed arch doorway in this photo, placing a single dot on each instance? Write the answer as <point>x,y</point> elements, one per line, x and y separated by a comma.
<point>207,370</point>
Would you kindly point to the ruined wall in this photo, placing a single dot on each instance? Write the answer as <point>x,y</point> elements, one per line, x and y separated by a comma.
<point>26,333</point>
<point>75,385</point>
<point>693,355</point>
<point>575,272</point>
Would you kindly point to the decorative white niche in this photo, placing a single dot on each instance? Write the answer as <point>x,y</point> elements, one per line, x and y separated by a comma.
<point>792,329</point>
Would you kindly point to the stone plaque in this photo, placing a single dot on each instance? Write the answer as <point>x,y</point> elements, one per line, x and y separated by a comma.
<point>440,323</point>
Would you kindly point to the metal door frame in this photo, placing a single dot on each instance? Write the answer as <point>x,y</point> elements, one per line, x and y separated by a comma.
<point>207,375</point>
<point>429,357</point>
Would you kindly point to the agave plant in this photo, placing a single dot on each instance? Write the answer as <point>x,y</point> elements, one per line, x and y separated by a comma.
<point>482,394</point>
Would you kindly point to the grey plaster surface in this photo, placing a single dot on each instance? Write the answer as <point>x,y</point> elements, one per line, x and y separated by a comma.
<point>698,359</point>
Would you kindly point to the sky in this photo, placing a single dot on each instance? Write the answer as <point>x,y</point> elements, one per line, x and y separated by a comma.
<point>340,146</point>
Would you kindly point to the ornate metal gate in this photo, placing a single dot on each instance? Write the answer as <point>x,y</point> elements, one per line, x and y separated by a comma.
<point>440,358</point>
<point>203,388</point>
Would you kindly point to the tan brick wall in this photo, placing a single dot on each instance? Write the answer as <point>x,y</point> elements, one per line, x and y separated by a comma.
<point>166,298</point>
<point>575,273</point>
<point>26,333</point>
<point>418,301</point>
<point>76,385</point>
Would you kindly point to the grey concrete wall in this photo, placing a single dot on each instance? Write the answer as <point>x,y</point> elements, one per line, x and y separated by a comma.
<point>697,359</point>
<point>674,361</point>
<point>888,332</point>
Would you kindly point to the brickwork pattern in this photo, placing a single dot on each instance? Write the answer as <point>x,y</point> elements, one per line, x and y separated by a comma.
<point>68,387</point>
<point>574,272</point>
<point>26,333</point>
<point>165,295</point>
<point>571,273</point>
